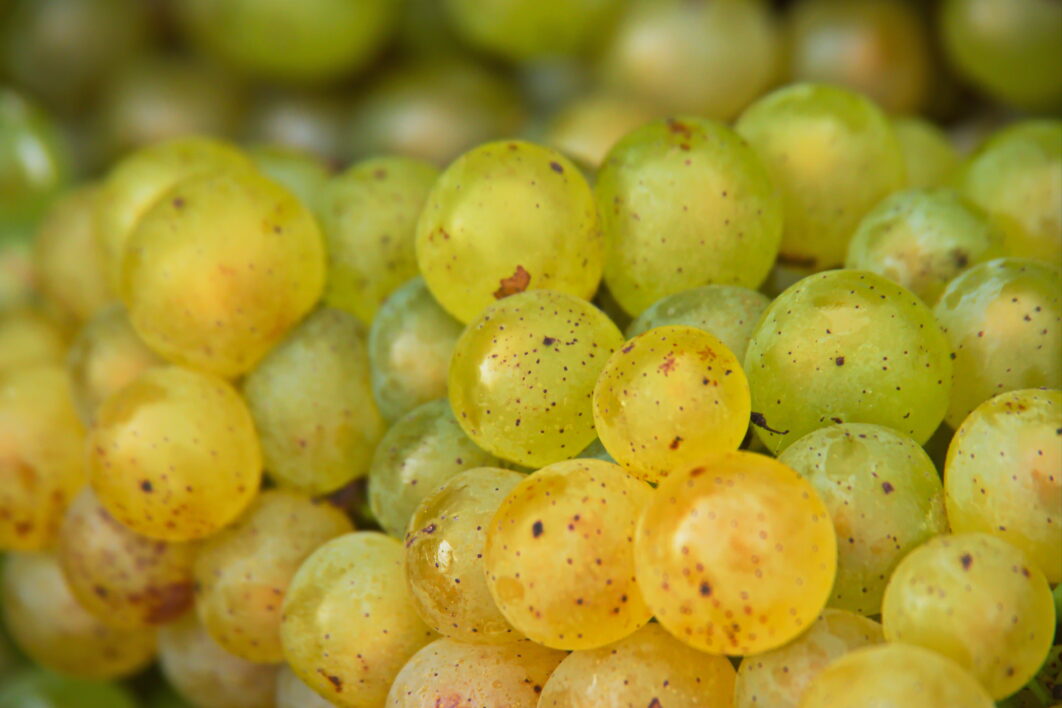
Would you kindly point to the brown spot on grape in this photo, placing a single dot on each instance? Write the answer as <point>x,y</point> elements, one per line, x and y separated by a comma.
<point>677,126</point>
<point>146,486</point>
<point>668,365</point>
<point>967,560</point>
<point>839,361</point>
<point>548,341</point>
<point>697,471</point>
<point>655,703</point>
<point>887,487</point>
<point>556,167</point>
<point>705,588</point>
<point>336,682</point>
<point>178,203</point>
<point>675,443</point>
<point>536,529</point>
<point>515,283</point>
<point>167,602</point>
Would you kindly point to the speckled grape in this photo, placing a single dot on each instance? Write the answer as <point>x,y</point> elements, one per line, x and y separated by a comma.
<point>927,151</point>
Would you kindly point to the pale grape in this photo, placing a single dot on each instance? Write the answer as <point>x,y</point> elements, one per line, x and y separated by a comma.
<point>587,128</point>
<point>927,151</point>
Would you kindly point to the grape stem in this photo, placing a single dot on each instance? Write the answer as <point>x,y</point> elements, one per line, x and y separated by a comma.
<point>760,421</point>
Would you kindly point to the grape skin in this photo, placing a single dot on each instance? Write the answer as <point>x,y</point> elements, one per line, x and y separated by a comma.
<point>928,153</point>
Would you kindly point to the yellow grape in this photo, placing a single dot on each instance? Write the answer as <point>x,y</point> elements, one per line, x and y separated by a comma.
<point>293,693</point>
<point>930,156</point>
<point>29,337</point>
<point>587,128</point>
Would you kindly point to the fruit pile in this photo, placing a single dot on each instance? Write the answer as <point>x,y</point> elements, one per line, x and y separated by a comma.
<point>530,354</point>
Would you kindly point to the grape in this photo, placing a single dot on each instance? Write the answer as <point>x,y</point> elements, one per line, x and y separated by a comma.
<point>293,693</point>
<point>18,276</point>
<point>720,222</point>
<point>894,675</point>
<point>705,58</point>
<point>421,451</point>
<point>1002,474</point>
<point>928,153</point>
<point>1003,321</point>
<point>369,216</point>
<point>884,496</point>
<point>410,344</point>
<point>174,455</point>
<point>218,270</point>
<point>922,239</point>
<point>349,625</point>
<point>583,511</point>
<point>41,455</point>
<point>124,579</point>
<point>34,160</point>
<point>312,404</point>
<point>587,128</point>
<point>977,600</point>
<point>735,555</point>
<point>311,122</point>
<point>847,346</point>
<point>506,217</point>
<point>208,676</point>
<point>444,556</point>
<point>301,172</point>
<point>28,336</point>
<point>646,667</point>
<point>35,688</point>
<point>833,155</point>
<point>49,625</point>
<point>669,397</point>
<point>522,376</point>
<point>508,675</point>
<point>1016,176</point>
<point>242,572</point>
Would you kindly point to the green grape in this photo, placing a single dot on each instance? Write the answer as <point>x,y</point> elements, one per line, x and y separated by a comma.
<point>410,343</point>
<point>369,217</point>
<point>34,160</point>
<point>1011,49</point>
<point>312,404</point>
<point>705,58</point>
<point>105,356</point>
<point>927,151</point>
<point>444,556</point>
<point>1016,177</point>
<point>649,665</point>
<point>174,455</point>
<point>242,572</point>
<point>922,239</point>
<point>847,346</point>
<point>41,455</point>
<point>206,675</point>
<point>671,396</point>
<point>522,376</point>
<point>124,579</point>
<point>720,223</point>
<point>422,450</point>
<point>348,624</point>
<point>736,555</point>
<point>459,673</point>
<point>312,122</point>
<point>35,688</point>
<point>894,675</point>
<point>884,496</point>
<point>582,511</point>
<point>506,217</point>
<point>49,625</point>
<point>1003,475</point>
<point>833,155</point>
<point>293,693</point>
<point>301,172</point>
<point>587,128</point>
<point>977,600</point>
<point>1003,321</point>
<point>28,336</point>
<point>779,678</point>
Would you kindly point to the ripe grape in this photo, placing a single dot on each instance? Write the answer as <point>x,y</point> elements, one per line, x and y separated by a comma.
<point>685,202</point>
<point>735,555</point>
<point>293,693</point>
<point>36,688</point>
<point>847,346</point>
<point>584,512</point>
<point>28,336</point>
<point>303,173</point>
<point>927,151</point>
<point>587,128</point>
<point>669,397</point>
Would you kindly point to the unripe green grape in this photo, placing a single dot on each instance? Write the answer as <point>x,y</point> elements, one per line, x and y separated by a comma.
<point>1003,321</point>
<point>735,555</point>
<point>301,172</point>
<point>884,496</point>
<point>293,693</point>
<point>312,404</point>
<point>506,217</point>
<point>522,376</point>
<point>588,127</point>
<point>719,221</point>
<point>349,625</point>
<point>34,160</point>
<point>927,151</point>
<point>833,155</point>
<point>174,455</point>
<point>368,216</point>
<point>1003,474</point>
<point>30,337</point>
<point>922,239</point>
<point>668,398</point>
<point>36,688</point>
<point>847,346</point>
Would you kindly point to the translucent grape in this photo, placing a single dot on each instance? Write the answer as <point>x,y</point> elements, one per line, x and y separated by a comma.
<point>582,511</point>
<point>685,202</point>
<point>312,404</point>
<point>927,151</point>
<point>522,376</point>
<point>884,496</point>
<point>1003,475</point>
<point>174,455</point>
<point>1003,321</point>
<point>293,693</point>
<point>349,625</point>
<point>586,129</point>
<point>506,217</point>
<point>833,155</point>
<point>977,600</point>
<point>847,346</point>
<point>301,172</point>
<point>735,555</point>
<point>28,336</point>
<point>444,556</point>
<point>35,688</point>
